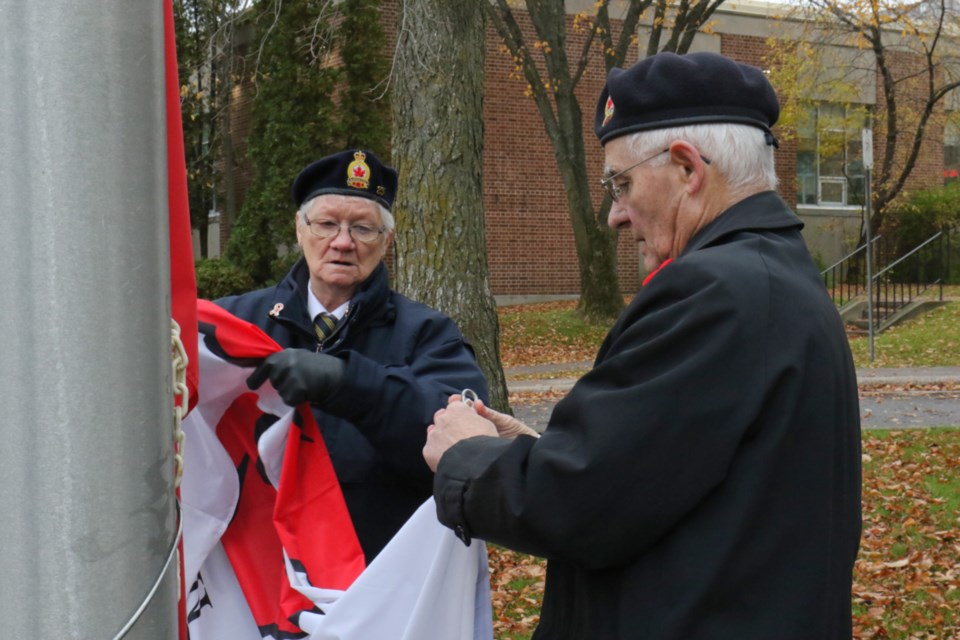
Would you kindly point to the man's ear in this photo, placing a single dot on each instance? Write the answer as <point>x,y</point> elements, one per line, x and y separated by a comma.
<point>298,224</point>
<point>387,243</point>
<point>686,156</point>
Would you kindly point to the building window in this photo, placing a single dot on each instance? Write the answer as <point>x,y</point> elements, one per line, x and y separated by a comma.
<point>951,153</point>
<point>829,158</point>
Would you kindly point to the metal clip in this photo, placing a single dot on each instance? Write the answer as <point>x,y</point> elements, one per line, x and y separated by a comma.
<point>468,397</point>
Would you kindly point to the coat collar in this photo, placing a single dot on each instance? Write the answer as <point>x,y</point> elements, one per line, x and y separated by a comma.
<point>764,210</point>
<point>371,300</point>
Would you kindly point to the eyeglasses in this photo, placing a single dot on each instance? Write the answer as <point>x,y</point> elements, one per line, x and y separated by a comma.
<point>330,229</point>
<point>616,191</point>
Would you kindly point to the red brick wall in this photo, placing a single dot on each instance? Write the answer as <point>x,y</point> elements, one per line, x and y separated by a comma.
<point>528,227</point>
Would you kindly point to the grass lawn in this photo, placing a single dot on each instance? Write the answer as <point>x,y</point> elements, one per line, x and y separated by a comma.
<point>907,576</point>
<point>930,340</point>
<point>553,332</point>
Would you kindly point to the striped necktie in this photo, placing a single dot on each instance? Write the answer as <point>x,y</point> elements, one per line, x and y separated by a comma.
<point>324,324</point>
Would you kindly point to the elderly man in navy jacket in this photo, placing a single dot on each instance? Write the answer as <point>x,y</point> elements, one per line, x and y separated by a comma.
<point>374,364</point>
<point>702,482</point>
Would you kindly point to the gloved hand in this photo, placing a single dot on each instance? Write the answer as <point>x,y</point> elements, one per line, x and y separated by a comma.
<point>299,375</point>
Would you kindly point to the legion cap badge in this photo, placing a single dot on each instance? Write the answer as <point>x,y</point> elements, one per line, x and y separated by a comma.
<point>358,173</point>
<point>607,111</point>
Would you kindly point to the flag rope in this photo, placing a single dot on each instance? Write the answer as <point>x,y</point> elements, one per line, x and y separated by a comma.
<point>181,393</point>
<point>156,585</point>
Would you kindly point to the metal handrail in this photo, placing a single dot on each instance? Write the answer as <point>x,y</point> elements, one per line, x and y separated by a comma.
<point>837,277</point>
<point>846,278</point>
<point>891,296</point>
<point>847,257</point>
<point>902,258</point>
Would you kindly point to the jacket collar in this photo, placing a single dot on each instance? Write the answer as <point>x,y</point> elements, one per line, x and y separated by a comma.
<point>370,301</point>
<point>764,210</point>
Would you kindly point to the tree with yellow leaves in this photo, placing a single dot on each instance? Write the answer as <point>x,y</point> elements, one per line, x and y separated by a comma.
<point>897,60</point>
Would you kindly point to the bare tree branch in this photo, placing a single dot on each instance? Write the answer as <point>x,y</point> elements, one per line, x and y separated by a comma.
<point>506,25</point>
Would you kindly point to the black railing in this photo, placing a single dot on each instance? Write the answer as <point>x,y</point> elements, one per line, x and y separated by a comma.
<point>846,279</point>
<point>906,278</point>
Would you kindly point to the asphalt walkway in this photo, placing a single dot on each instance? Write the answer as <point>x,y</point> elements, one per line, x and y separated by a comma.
<point>890,398</point>
<point>519,378</point>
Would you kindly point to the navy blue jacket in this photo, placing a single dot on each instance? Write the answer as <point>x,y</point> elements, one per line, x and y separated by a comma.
<point>702,482</point>
<point>403,360</point>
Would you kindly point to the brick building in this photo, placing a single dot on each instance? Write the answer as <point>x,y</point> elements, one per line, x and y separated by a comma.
<point>531,246</point>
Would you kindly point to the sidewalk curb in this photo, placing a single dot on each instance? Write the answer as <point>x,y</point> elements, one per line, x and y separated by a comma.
<point>865,377</point>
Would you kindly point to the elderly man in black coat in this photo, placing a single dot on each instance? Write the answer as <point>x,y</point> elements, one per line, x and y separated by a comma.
<point>374,365</point>
<point>702,482</point>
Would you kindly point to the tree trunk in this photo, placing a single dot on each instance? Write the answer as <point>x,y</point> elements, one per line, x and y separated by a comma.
<point>228,162</point>
<point>596,244</point>
<point>441,249</point>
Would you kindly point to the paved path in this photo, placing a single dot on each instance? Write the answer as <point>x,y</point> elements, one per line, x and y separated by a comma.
<point>888,397</point>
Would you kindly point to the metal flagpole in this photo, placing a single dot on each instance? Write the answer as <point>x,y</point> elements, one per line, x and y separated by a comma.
<point>86,469</point>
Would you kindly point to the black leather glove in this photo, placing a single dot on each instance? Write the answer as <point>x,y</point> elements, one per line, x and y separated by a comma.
<point>299,375</point>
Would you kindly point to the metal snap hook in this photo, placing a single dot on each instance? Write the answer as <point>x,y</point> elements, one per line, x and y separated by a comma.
<point>469,397</point>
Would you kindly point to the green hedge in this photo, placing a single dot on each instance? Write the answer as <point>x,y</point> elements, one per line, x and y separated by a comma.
<point>919,217</point>
<point>219,278</point>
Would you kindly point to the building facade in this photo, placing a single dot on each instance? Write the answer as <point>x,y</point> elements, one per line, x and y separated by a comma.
<point>529,235</point>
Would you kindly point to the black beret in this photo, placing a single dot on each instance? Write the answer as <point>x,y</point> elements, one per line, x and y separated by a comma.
<point>355,172</point>
<point>670,90</point>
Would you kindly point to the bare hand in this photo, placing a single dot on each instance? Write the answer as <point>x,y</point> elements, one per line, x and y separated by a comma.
<point>507,426</point>
<point>451,425</point>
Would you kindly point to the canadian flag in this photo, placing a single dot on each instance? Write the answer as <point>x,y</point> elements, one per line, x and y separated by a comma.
<point>269,548</point>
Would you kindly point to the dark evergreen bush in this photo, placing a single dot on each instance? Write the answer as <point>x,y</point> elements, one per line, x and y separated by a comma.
<point>219,278</point>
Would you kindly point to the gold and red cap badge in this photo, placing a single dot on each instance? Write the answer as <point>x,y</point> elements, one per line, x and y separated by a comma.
<point>358,172</point>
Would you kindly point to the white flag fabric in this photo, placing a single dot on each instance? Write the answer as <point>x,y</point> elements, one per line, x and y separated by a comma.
<point>269,550</point>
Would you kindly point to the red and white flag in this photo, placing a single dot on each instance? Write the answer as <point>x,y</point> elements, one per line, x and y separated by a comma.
<point>269,548</point>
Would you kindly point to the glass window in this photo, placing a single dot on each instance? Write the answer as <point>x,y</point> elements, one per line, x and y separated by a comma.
<point>829,157</point>
<point>833,191</point>
<point>951,152</point>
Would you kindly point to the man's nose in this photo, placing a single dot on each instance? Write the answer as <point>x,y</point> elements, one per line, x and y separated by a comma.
<point>617,217</point>
<point>343,237</point>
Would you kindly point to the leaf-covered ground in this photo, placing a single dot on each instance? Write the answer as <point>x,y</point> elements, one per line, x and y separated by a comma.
<point>546,333</point>
<point>932,339</point>
<point>907,577</point>
<point>553,332</point>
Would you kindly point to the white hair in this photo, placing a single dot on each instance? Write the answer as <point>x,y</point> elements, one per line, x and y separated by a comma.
<point>386,218</point>
<point>739,152</point>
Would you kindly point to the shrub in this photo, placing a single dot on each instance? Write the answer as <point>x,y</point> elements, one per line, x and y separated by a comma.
<point>219,278</point>
<point>920,217</point>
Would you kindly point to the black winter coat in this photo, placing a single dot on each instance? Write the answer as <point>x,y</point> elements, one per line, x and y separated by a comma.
<point>403,360</point>
<point>702,482</point>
